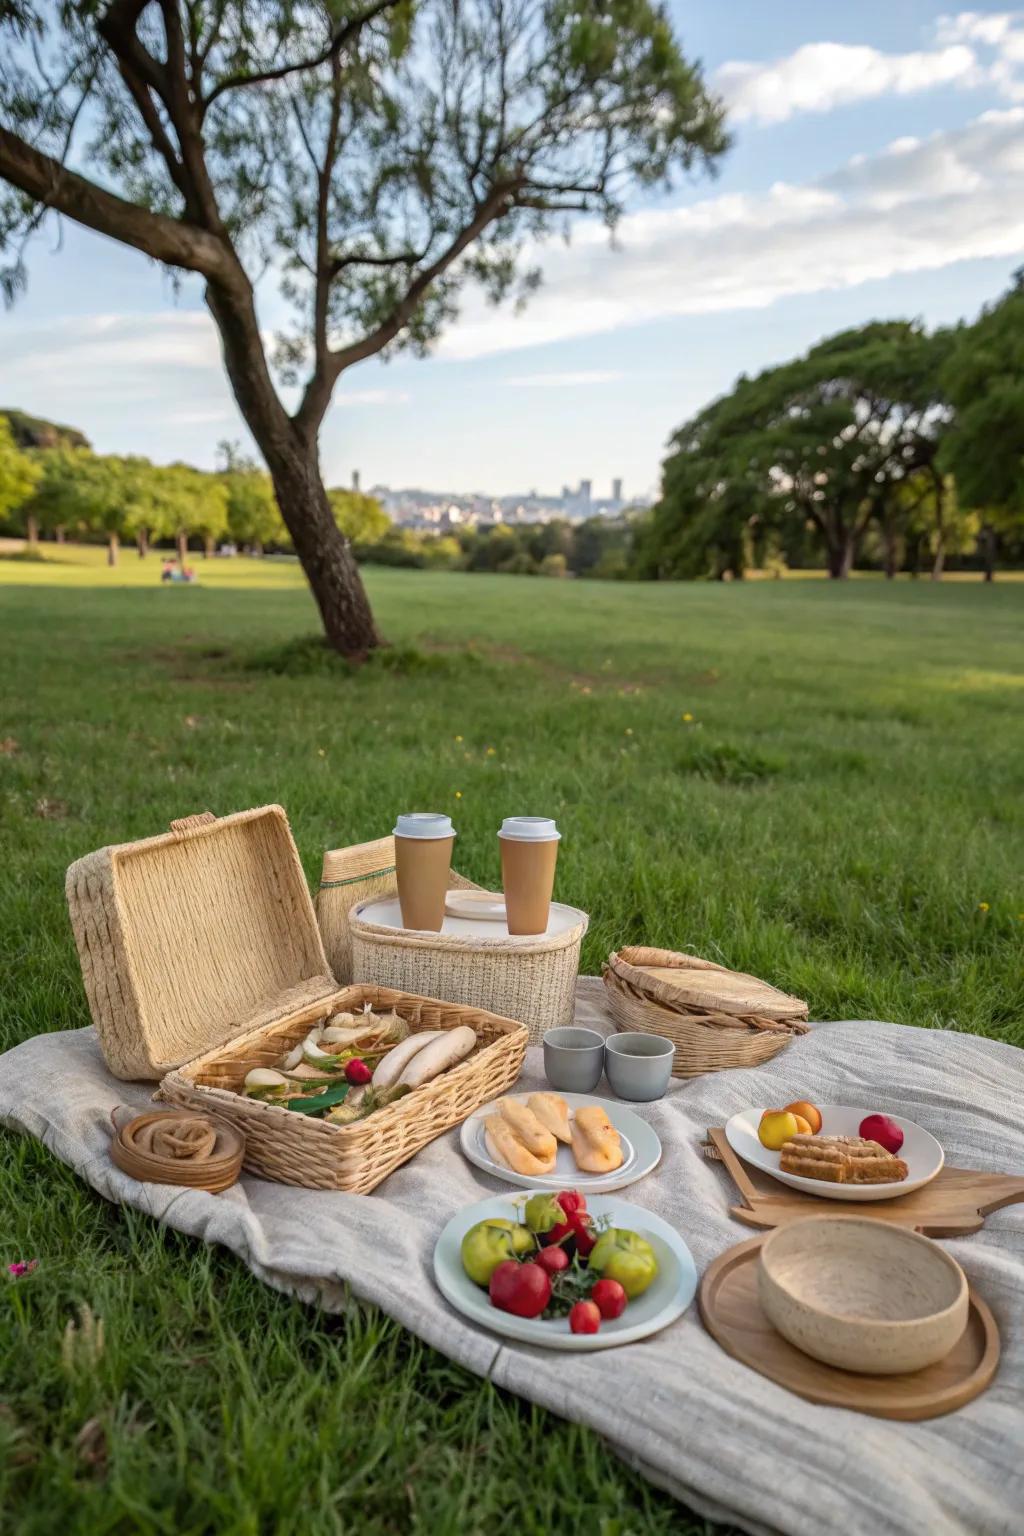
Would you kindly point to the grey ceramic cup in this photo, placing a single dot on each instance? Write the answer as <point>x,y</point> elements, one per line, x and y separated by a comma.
<point>573,1059</point>
<point>638,1065</point>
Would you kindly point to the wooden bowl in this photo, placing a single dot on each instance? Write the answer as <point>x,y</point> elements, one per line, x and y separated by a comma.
<point>861,1294</point>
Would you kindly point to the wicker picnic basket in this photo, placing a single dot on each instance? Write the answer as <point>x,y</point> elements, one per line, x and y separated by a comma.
<point>202,958</point>
<point>353,875</point>
<point>529,979</point>
<point>715,1018</point>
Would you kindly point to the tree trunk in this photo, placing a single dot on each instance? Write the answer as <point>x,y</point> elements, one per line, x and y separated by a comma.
<point>988,546</point>
<point>208,548</point>
<point>113,545</point>
<point>938,564</point>
<point>325,555</point>
<point>31,531</point>
<point>58,533</point>
<point>840,558</point>
<point>291,457</point>
<point>257,546</point>
<point>892,563</point>
<point>142,540</point>
<point>182,542</point>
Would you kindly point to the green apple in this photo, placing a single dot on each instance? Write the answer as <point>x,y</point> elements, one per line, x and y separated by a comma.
<point>626,1257</point>
<point>489,1244</point>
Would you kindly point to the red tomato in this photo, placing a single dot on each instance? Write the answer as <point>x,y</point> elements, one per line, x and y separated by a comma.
<point>572,1201</point>
<point>609,1298</point>
<point>357,1072</point>
<point>523,1289</point>
<point>584,1318</point>
<point>577,1228</point>
<point>553,1260</point>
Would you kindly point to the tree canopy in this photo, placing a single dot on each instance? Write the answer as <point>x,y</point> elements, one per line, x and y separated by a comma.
<point>381,154</point>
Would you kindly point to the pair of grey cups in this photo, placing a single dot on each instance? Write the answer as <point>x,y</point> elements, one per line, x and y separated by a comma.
<point>638,1066</point>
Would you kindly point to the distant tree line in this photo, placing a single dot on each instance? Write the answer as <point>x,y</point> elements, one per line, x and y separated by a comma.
<point>53,485</point>
<point>887,446</point>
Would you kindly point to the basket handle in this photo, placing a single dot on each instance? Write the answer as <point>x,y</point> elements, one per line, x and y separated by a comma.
<point>187,825</point>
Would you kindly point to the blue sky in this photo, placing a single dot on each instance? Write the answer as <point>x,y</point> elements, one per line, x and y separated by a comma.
<point>877,170</point>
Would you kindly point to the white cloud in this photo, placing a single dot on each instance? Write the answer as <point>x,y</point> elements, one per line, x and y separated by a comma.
<point>372,397</point>
<point>821,76</point>
<point>562,380</point>
<point>919,205</point>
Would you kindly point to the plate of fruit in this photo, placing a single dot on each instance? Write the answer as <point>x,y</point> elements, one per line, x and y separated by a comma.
<point>560,1271</point>
<point>837,1151</point>
<point>552,1140</point>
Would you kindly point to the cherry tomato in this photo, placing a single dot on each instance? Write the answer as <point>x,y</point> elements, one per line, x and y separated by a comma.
<point>609,1298</point>
<point>523,1289</point>
<point>572,1201</point>
<point>357,1072</point>
<point>585,1317</point>
<point>553,1260</point>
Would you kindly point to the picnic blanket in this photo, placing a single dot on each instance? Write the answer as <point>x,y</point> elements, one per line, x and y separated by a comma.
<point>720,1437</point>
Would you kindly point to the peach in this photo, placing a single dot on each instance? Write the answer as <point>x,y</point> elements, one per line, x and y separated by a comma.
<point>809,1112</point>
<point>777,1126</point>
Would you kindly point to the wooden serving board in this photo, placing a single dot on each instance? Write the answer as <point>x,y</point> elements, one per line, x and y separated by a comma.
<point>955,1203</point>
<point>732,1315</point>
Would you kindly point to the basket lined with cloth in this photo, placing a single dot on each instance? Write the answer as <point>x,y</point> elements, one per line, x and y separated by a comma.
<point>715,1018</point>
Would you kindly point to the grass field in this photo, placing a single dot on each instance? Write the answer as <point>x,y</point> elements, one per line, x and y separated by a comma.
<point>819,784</point>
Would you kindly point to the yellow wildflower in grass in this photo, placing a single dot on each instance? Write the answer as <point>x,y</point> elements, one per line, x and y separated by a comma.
<point>458,794</point>
<point>688,718</point>
<point>320,752</point>
<point>628,730</point>
<point>492,751</point>
<point>982,906</point>
<point>458,738</point>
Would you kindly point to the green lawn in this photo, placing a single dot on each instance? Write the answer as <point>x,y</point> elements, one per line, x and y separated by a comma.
<point>819,784</point>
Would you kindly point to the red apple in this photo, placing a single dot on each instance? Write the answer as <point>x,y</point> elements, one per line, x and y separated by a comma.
<point>523,1289</point>
<point>585,1317</point>
<point>883,1130</point>
<point>609,1298</point>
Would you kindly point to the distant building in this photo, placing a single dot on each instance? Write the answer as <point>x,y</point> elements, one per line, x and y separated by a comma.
<point>355,479</point>
<point>616,490</point>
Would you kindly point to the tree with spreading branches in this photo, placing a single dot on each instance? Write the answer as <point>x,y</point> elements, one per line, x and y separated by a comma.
<point>377,155</point>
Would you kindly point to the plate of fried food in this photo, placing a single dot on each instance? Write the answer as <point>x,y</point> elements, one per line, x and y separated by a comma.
<point>550,1140</point>
<point>837,1151</point>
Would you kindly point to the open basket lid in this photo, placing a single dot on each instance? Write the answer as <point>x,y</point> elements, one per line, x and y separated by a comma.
<point>686,982</point>
<point>189,938</point>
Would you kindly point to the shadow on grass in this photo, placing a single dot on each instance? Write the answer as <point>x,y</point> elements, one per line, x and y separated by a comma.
<point>310,656</point>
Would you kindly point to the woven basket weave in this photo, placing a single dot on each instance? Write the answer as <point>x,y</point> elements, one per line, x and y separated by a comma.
<point>354,875</point>
<point>715,1018</point>
<point>532,980</point>
<point>294,1149</point>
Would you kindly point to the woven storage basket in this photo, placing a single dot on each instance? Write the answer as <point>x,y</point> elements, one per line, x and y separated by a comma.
<point>715,1018</point>
<point>530,979</point>
<point>354,875</point>
<point>293,1149</point>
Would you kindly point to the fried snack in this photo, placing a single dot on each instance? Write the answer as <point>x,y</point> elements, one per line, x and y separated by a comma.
<point>506,1148</point>
<point>527,1129</point>
<point>552,1111</point>
<point>841,1160</point>
<point>595,1141</point>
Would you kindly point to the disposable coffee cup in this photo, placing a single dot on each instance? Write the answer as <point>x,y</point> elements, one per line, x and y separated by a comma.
<point>423,859</point>
<point>529,853</point>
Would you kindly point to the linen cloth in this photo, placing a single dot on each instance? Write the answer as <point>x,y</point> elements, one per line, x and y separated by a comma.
<point>720,1437</point>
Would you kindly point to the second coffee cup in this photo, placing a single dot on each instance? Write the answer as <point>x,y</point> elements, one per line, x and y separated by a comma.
<point>423,858</point>
<point>529,853</point>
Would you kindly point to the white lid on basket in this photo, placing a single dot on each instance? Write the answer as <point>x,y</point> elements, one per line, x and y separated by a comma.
<point>424,824</point>
<point>530,829</point>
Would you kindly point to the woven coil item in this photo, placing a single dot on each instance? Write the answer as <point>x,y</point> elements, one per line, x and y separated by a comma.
<point>352,876</point>
<point>295,1149</point>
<point>715,1018</point>
<point>529,979</point>
<point>169,1147</point>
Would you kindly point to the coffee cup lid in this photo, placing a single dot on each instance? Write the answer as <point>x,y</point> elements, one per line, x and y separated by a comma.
<point>424,824</point>
<point>529,829</point>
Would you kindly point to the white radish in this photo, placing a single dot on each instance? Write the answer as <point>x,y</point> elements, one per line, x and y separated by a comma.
<point>391,1067</point>
<point>439,1055</point>
<point>293,1058</point>
<point>264,1077</point>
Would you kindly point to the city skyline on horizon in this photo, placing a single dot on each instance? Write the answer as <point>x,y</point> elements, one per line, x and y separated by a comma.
<point>877,172</point>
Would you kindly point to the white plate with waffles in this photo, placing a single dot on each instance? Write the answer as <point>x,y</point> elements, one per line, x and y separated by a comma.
<point>920,1151</point>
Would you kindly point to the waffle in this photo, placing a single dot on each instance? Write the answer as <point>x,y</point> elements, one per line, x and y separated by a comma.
<point>841,1160</point>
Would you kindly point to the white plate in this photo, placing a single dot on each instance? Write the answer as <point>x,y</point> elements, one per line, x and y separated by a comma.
<point>489,905</point>
<point>641,1149</point>
<point>491,930</point>
<point>667,1297</point>
<point>920,1151</point>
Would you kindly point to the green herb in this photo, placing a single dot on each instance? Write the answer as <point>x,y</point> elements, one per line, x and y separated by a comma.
<point>321,1102</point>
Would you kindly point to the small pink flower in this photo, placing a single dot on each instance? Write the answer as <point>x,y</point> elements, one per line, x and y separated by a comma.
<point>21,1267</point>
